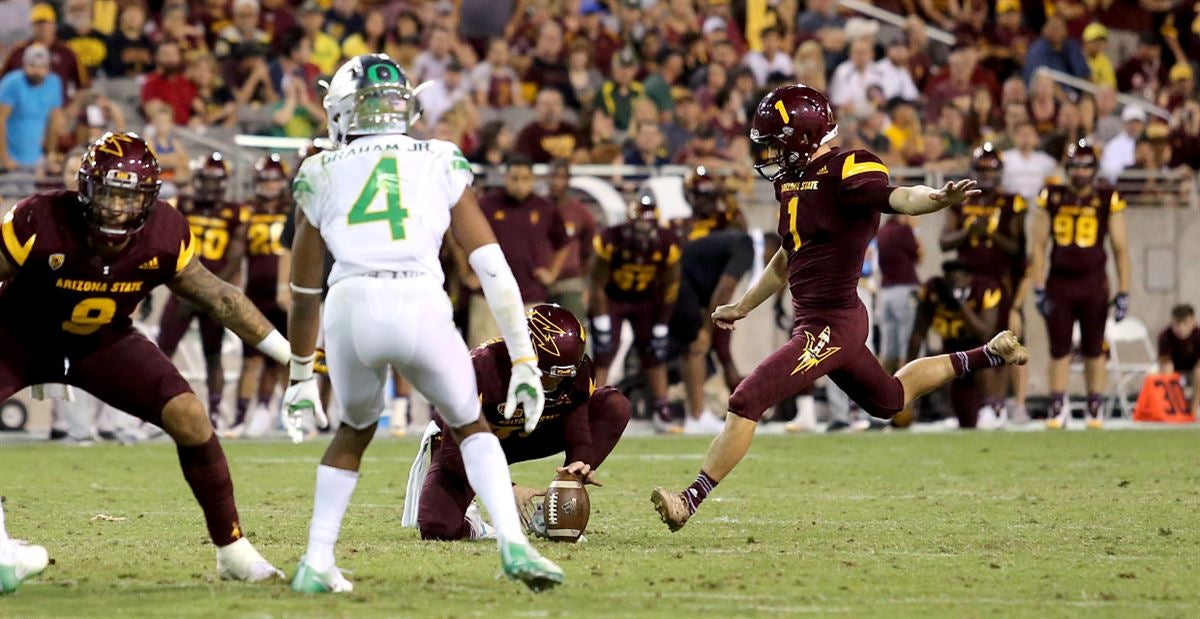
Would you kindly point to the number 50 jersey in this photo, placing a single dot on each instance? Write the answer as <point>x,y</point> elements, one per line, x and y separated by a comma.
<point>1079,227</point>
<point>382,203</point>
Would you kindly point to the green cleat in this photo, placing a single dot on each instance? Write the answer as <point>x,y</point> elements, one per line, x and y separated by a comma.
<point>522,562</point>
<point>308,580</point>
<point>20,562</point>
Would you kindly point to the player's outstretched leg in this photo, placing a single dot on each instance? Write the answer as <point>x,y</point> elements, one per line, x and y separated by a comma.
<point>924,375</point>
<point>207,472</point>
<point>19,561</point>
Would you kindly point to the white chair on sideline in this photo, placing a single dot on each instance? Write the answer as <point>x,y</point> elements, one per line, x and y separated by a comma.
<point>1131,357</point>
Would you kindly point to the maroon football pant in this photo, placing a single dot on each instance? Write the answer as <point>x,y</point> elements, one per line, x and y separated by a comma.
<point>177,317</point>
<point>1084,300</point>
<point>641,317</point>
<point>447,494</point>
<point>829,342</point>
<point>123,369</point>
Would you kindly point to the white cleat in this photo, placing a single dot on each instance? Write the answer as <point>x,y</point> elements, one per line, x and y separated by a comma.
<point>240,561</point>
<point>707,424</point>
<point>989,419</point>
<point>480,529</point>
<point>308,580</point>
<point>20,561</point>
<point>260,422</point>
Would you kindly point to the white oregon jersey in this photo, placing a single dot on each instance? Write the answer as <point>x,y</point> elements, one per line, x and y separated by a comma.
<point>382,202</point>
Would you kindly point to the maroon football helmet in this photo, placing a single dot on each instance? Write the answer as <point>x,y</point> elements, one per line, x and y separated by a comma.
<point>270,177</point>
<point>118,186</point>
<point>1081,164</point>
<point>791,123</point>
<point>642,230</point>
<point>210,179</point>
<point>987,166</point>
<point>703,190</point>
<point>558,339</point>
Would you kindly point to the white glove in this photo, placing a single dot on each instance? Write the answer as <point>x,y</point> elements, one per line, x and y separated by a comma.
<point>525,390</point>
<point>298,398</point>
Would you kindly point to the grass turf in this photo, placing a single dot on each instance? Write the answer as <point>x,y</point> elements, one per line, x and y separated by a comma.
<point>1032,524</point>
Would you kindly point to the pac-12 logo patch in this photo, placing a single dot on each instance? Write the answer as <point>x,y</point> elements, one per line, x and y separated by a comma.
<point>56,261</point>
<point>816,350</point>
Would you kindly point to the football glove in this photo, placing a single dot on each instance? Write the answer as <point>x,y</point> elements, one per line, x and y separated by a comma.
<point>1120,306</point>
<point>525,390</point>
<point>659,342</point>
<point>1044,305</point>
<point>602,336</point>
<point>301,396</point>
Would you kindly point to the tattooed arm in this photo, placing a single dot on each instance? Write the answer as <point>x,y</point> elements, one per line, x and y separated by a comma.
<point>225,303</point>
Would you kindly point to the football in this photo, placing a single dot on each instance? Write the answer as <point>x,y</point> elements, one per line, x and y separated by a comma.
<point>566,508</point>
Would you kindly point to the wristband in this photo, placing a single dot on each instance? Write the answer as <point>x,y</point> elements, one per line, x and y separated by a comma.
<point>301,368</point>
<point>659,330</point>
<point>302,290</point>
<point>602,323</point>
<point>275,346</point>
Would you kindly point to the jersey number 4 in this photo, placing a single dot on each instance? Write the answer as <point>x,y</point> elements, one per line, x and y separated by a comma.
<point>384,183</point>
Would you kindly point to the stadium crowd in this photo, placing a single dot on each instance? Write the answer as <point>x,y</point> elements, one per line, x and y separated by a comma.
<point>640,82</point>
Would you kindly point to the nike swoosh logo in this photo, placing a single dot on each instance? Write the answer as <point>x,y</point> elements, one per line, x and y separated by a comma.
<point>490,273</point>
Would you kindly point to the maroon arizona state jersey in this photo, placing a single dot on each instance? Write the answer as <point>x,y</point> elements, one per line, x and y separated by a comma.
<point>214,225</point>
<point>1078,228</point>
<point>492,372</point>
<point>946,315</point>
<point>999,210</point>
<point>633,270</point>
<point>828,214</point>
<point>62,287</point>
<point>263,248</point>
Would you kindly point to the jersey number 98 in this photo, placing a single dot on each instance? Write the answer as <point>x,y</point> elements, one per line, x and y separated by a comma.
<point>1080,231</point>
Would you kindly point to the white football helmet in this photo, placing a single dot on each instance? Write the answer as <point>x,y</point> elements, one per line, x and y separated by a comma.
<point>369,95</point>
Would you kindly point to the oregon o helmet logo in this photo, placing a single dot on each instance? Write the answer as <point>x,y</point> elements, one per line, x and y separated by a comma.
<point>382,73</point>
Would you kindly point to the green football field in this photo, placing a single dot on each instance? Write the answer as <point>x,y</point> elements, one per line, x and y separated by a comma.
<point>1007,524</point>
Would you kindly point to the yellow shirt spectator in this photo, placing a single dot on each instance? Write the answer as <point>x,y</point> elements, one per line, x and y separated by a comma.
<point>326,53</point>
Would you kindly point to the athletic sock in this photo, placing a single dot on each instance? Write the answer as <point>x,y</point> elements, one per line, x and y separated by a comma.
<point>662,408</point>
<point>973,360</point>
<point>487,471</point>
<point>206,471</point>
<point>1057,401</point>
<point>698,491</point>
<point>214,408</point>
<point>1094,402</point>
<point>242,405</point>
<point>334,488</point>
<point>265,400</point>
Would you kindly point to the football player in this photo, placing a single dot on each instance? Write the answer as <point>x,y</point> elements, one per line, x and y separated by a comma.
<point>635,277</point>
<point>381,203</point>
<point>963,307</point>
<point>220,244</point>
<point>1073,221</point>
<point>829,206</point>
<point>269,212</point>
<point>579,419</point>
<point>988,233</point>
<point>75,264</point>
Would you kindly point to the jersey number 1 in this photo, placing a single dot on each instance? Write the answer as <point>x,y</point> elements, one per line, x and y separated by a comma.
<point>384,180</point>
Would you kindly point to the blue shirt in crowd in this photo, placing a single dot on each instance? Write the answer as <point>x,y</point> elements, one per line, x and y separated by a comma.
<point>30,111</point>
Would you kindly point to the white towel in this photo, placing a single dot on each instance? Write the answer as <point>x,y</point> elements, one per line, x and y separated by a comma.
<point>416,477</point>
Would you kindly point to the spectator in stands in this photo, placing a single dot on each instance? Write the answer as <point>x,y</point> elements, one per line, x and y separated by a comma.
<point>297,114</point>
<point>1119,152</point>
<point>1108,121</point>
<point>570,291</point>
<point>904,132</point>
<point>810,65</point>
<point>617,94</point>
<point>951,128</point>
<point>602,42</point>
<point>1182,87</point>
<point>495,142</point>
<point>294,57</point>
<point>215,18</point>
<point>848,87</point>
<point>547,68</point>
<point>431,64</point>
<point>1025,167</point>
<point>646,148</point>
<point>532,235</point>
<point>1068,129</point>
<point>870,132</point>
<point>899,255</point>
<point>1185,137</point>
<point>955,85</point>
<point>172,156</point>
<point>1095,42</point>
<point>771,63</point>
<point>1043,103</point>
<point>243,32</point>
<point>1143,72</point>
<point>602,144</point>
<point>495,84</point>
<point>1006,41</point>
<point>327,53</point>
<point>78,33</point>
<point>892,75</point>
<point>669,76</point>
<point>820,15</point>
<point>31,102</point>
<point>63,62</point>
<point>343,19</point>
<point>549,136</point>
<point>214,105</point>
<point>1054,50</point>
<point>277,18</point>
<point>373,38</point>
<point>173,26</point>
<point>440,95</point>
<point>169,84</point>
<point>684,123</point>
<point>1179,350</point>
<point>128,52</point>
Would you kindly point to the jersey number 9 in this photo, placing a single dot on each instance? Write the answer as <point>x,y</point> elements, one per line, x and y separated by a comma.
<point>89,315</point>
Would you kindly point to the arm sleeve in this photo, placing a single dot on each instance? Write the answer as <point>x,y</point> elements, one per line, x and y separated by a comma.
<point>864,182</point>
<point>504,300</point>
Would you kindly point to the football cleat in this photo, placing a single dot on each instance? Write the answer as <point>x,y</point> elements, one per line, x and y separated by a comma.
<point>1006,346</point>
<point>707,424</point>
<point>522,562</point>
<point>990,419</point>
<point>19,562</point>
<point>480,529</point>
<point>240,561</point>
<point>672,508</point>
<point>1095,423</point>
<point>308,580</point>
